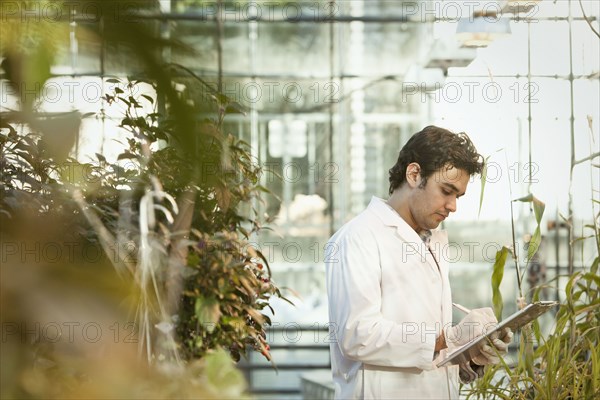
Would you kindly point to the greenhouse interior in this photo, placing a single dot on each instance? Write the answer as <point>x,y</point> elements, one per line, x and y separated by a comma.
<point>173,172</point>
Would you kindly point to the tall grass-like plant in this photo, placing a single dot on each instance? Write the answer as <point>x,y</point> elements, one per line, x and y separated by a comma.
<point>566,362</point>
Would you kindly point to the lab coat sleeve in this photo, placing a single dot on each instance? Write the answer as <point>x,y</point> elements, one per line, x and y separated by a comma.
<point>362,333</point>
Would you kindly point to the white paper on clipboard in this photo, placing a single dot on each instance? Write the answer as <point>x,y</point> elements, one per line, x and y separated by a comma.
<point>515,321</point>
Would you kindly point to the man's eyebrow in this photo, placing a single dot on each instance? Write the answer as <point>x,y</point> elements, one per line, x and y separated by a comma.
<point>453,188</point>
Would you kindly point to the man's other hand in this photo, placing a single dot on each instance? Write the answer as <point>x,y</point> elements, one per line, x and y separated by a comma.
<point>494,348</point>
<point>468,372</point>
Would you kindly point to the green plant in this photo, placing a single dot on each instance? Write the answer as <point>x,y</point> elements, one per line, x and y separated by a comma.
<point>566,362</point>
<point>224,282</point>
<point>173,216</point>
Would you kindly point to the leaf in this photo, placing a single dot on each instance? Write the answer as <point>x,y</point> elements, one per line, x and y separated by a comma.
<point>538,205</point>
<point>150,99</point>
<point>497,275</point>
<point>222,378</point>
<point>565,219</point>
<point>256,316</point>
<point>592,276</point>
<point>534,243</point>
<point>247,286</point>
<point>235,107</point>
<point>244,232</point>
<point>207,312</point>
<point>278,292</point>
<point>223,197</point>
<point>535,324</point>
<point>237,323</point>
<point>569,288</point>
<point>483,179</point>
<point>262,189</point>
<point>126,155</point>
<point>124,101</point>
<point>526,199</point>
<point>584,308</point>
<point>133,101</point>
<point>538,209</point>
<point>264,259</point>
<point>267,319</point>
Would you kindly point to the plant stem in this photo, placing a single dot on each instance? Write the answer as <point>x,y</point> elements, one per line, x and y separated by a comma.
<point>514,240</point>
<point>572,131</point>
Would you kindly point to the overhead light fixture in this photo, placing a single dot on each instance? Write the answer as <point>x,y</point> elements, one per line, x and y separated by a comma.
<point>482,29</point>
<point>517,6</point>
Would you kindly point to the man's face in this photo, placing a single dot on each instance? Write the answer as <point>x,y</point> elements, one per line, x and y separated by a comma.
<point>431,204</point>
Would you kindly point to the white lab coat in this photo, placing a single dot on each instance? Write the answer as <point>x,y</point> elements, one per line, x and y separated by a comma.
<point>388,302</point>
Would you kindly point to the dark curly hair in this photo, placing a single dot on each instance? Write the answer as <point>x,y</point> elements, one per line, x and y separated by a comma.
<point>434,148</point>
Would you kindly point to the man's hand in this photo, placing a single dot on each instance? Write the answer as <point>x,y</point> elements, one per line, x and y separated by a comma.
<point>468,372</point>
<point>494,348</point>
<point>474,324</point>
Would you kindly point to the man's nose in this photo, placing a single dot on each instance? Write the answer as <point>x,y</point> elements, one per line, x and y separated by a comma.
<point>451,205</point>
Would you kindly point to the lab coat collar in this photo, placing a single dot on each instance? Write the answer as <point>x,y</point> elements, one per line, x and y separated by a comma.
<point>390,217</point>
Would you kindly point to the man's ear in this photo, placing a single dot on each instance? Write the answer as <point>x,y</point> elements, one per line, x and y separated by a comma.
<point>413,174</point>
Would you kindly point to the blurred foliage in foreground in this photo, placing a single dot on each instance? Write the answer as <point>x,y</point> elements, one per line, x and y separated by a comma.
<point>135,277</point>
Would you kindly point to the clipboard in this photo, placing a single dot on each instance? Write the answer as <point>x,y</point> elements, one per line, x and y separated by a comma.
<point>469,350</point>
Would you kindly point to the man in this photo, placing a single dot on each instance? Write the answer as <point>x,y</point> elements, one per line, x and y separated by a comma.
<point>389,295</point>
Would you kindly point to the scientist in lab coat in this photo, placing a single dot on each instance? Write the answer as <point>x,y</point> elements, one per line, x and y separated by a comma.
<point>390,305</point>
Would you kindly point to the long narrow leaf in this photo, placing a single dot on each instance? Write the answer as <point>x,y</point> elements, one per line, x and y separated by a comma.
<point>483,179</point>
<point>534,243</point>
<point>497,275</point>
<point>538,210</point>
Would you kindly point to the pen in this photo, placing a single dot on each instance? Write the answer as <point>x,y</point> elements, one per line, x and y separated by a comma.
<point>461,308</point>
